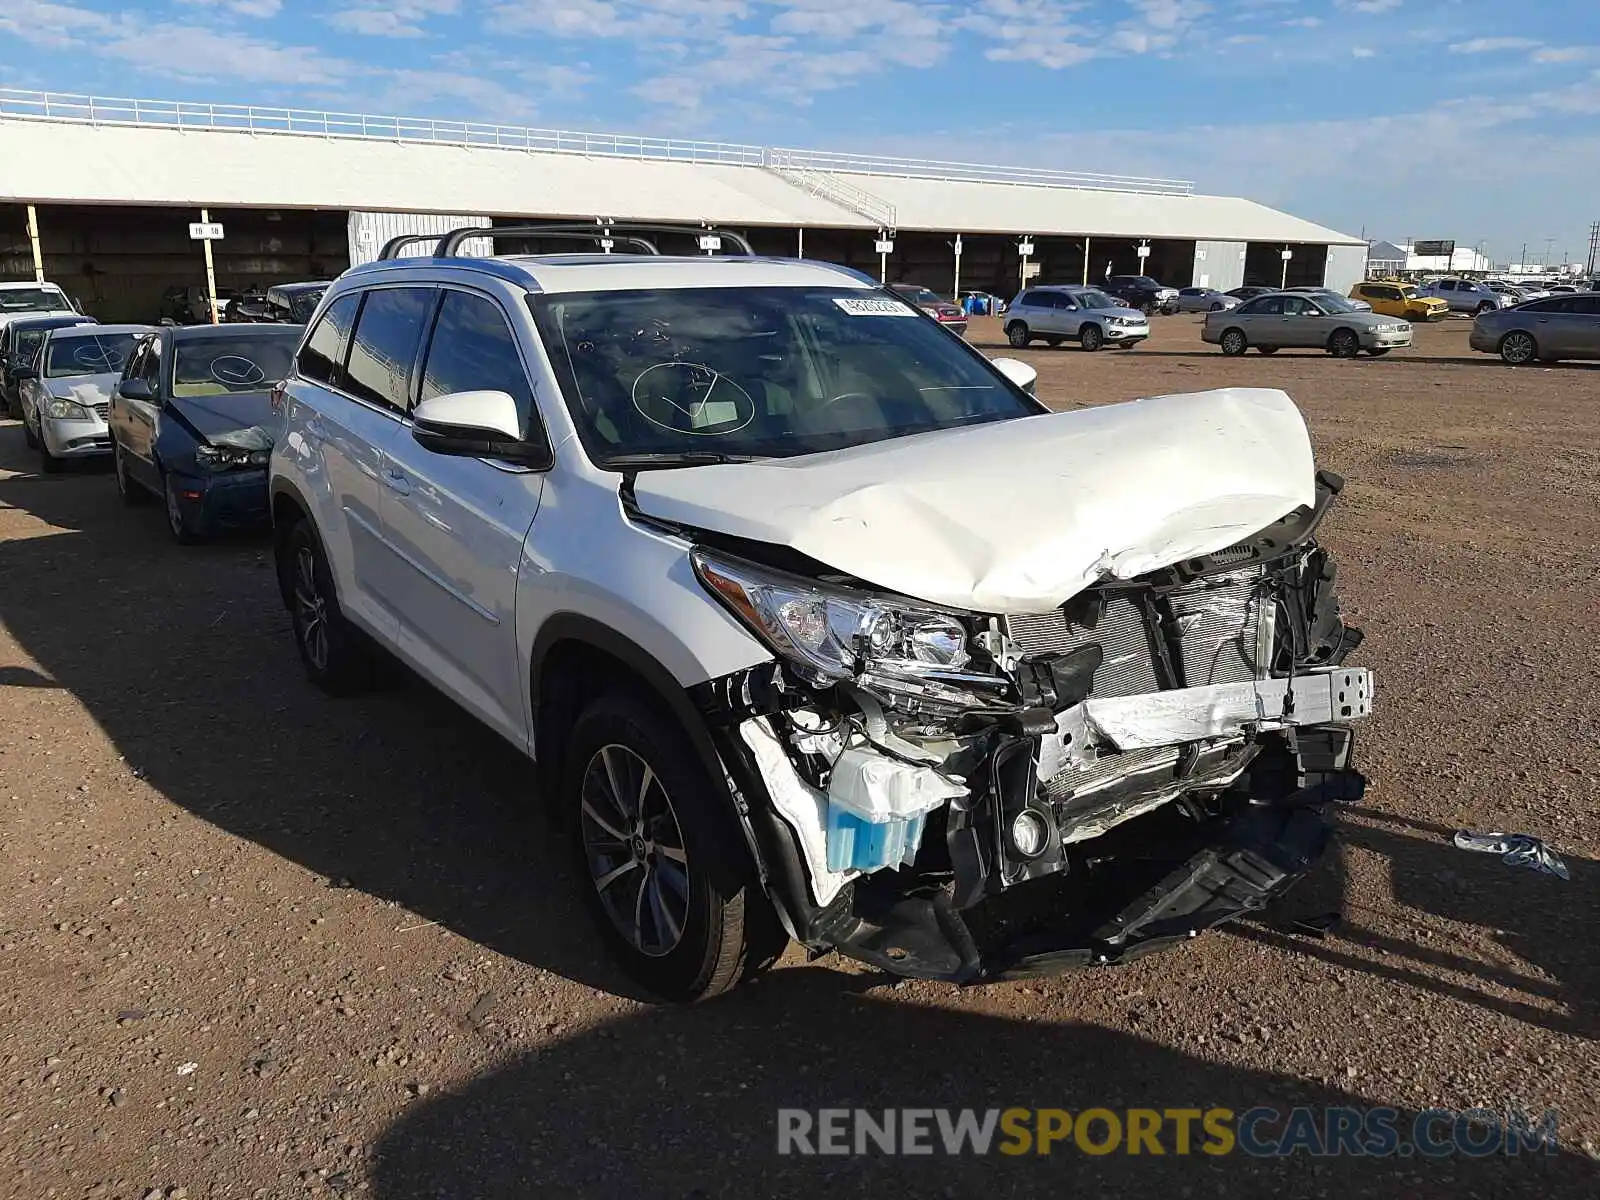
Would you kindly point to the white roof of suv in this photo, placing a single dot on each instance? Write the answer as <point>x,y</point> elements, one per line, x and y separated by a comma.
<point>617,272</point>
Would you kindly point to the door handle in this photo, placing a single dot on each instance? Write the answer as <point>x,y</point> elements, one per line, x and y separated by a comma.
<point>396,482</point>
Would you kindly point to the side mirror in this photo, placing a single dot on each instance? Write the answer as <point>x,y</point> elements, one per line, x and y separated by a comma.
<point>476,425</point>
<point>1018,372</point>
<point>135,389</point>
<point>19,373</point>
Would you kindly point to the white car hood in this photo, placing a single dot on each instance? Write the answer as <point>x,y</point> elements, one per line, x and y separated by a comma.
<point>1018,516</point>
<point>89,390</point>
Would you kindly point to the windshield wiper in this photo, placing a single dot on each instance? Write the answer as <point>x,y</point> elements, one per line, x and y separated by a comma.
<point>646,459</point>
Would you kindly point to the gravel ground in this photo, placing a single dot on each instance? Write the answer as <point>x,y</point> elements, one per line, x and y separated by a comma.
<point>257,942</point>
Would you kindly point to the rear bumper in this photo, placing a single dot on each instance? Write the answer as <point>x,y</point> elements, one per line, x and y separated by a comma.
<point>1481,340</point>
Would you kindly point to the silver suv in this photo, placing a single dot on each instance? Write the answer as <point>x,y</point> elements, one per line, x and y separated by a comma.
<point>812,620</point>
<point>1056,313</point>
<point>1466,295</point>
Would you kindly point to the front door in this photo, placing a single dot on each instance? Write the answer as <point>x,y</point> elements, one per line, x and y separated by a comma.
<point>458,525</point>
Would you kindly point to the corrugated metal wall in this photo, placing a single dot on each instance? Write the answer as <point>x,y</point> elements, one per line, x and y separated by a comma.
<point>1347,266</point>
<point>370,230</point>
<point>1219,265</point>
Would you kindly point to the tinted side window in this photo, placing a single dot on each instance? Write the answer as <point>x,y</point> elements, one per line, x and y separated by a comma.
<point>1586,303</point>
<point>1031,299</point>
<point>474,350</point>
<point>322,358</point>
<point>384,347</point>
<point>1553,304</point>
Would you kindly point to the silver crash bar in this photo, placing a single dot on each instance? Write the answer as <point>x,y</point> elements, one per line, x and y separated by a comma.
<point>1224,709</point>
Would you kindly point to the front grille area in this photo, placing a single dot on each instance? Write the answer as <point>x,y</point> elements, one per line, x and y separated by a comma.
<point>1128,668</point>
<point>1224,635</point>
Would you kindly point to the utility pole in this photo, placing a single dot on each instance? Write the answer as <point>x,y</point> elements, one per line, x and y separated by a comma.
<point>1594,248</point>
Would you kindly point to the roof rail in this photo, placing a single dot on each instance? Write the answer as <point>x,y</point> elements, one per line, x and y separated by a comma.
<point>574,233</point>
<point>628,231</point>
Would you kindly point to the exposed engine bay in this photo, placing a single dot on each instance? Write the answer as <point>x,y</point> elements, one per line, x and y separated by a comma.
<point>959,796</point>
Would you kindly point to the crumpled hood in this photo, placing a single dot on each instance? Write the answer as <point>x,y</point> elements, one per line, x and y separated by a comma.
<point>213,417</point>
<point>1018,516</point>
<point>92,391</point>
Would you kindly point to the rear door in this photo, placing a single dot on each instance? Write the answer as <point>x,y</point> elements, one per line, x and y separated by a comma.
<point>1585,332</point>
<point>1265,324</point>
<point>457,525</point>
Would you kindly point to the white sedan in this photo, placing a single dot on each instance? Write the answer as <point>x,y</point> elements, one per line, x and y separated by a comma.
<point>66,393</point>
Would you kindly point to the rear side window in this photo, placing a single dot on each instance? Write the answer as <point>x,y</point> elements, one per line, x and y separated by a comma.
<point>384,348</point>
<point>322,357</point>
<point>1029,299</point>
<point>474,350</point>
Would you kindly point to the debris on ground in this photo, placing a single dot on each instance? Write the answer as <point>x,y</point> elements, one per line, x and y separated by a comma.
<point>1515,850</point>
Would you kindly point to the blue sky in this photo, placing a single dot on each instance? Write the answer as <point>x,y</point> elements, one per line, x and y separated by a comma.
<point>1472,119</point>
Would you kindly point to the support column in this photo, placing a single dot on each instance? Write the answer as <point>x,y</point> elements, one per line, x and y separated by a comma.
<point>1086,242</point>
<point>211,273</point>
<point>799,243</point>
<point>33,239</point>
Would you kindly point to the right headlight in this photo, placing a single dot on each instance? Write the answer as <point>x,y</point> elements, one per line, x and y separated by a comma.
<point>67,410</point>
<point>832,634</point>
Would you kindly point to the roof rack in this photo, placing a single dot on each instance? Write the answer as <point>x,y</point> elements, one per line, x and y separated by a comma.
<point>602,227</point>
<point>448,245</point>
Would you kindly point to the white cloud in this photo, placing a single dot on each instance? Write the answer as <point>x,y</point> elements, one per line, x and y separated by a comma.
<point>391,18</point>
<point>1368,6</point>
<point>1362,52</point>
<point>1488,45</point>
<point>260,9</point>
<point>1304,22</point>
<point>1561,54</point>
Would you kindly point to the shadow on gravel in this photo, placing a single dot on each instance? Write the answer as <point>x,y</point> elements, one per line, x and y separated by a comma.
<point>683,1103</point>
<point>1546,922</point>
<point>185,658</point>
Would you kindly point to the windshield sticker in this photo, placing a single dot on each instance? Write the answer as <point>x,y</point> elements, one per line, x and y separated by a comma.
<point>97,357</point>
<point>874,308</point>
<point>692,399</point>
<point>235,370</point>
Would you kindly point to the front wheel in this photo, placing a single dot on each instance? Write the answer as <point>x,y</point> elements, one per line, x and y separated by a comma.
<point>1517,348</point>
<point>48,463</point>
<point>1218,307</point>
<point>1266,349</point>
<point>27,435</point>
<point>1017,334</point>
<point>1091,338</point>
<point>1234,343</point>
<point>1380,351</point>
<point>1486,307</point>
<point>331,652</point>
<point>177,523</point>
<point>1343,343</point>
<point>668,876</point>
<point>127,488</point>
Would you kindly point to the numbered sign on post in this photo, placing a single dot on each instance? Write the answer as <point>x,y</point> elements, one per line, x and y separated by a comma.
<point>205,231</point>
<point>884,246</point>
<point>710,242</point>
<point>1025,248</point>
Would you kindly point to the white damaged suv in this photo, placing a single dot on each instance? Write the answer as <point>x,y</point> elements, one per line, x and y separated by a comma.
<point>815,623</point>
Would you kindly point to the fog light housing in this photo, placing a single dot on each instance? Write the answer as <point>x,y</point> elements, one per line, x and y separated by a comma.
<point>1030,833</point>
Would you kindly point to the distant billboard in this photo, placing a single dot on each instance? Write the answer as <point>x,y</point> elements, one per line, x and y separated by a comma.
<point>1433,249</point>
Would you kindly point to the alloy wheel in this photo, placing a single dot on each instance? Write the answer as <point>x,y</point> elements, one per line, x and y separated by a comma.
<point>635,850</point>
<point>1233,342</point>
<point>310,609</point>
<point>1517,348</point>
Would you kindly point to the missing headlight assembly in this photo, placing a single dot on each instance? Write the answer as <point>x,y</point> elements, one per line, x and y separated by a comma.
<point>964,796</point>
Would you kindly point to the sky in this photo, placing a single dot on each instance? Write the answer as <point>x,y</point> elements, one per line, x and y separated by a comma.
<point>1467,119</point>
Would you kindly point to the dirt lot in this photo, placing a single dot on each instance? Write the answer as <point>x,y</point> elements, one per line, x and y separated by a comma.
<point>257,942</point>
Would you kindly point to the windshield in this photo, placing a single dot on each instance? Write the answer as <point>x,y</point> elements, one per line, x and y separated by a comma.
<point>303,304</point>
<point>33,299</point>
<point>920,295</point>
<point>1334,303</point>
<point>215,366</point>
<point>1093,299</point>
<point>1409,292</point>
<point>767,371</point>
<point>88,354</point>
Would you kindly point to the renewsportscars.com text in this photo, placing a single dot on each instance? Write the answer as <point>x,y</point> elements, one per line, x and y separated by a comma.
<point>1257,1132</point>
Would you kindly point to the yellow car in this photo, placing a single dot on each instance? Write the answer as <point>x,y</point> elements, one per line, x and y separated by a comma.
<point>1400,300</point>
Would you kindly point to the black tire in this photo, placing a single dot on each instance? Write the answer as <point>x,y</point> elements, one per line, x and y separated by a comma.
<point>1017,334</point>
<point>27,435</point>
<point>1267,349</point>
<point>1052,342</point>
<point>129,489</point>
<point>336,659</point>
<point>1518,348</point>
<point>1091,337</point>
<point>1344,343</point>
<point>177,523</point>
<point>1169,310</point>
<point>1133,344</point>
<point>1486,307</point>
<point>48,463</point>
<point>660,859</point>
<point>1218,306</point>
<point>1233,342</point>
<point>1380,351</point>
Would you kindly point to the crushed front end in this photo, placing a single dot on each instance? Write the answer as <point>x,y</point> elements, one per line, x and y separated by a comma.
<point>966,797</point>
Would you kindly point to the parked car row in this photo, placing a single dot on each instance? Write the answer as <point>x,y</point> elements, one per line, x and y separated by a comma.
<point>546,485</point>
<point>1306,320</point>
<point>1546,330</point>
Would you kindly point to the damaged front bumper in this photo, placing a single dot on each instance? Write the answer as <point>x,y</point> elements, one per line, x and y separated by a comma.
<point>1160,762</point>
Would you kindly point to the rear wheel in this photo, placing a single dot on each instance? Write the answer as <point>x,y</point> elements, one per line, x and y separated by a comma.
<point>1343,343</point>
<point>332,653</point>
<point>653,832</point>
<point>1518,347</point>
<point>1234,342</point>
<point>1266,349</point>
<point>1091,338</point>
<point>1017,334</point>
<point>1218,306</point>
